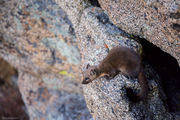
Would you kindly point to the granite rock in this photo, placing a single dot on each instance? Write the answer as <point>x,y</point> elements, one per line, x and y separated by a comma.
<point>37,35</point>
<point>156,21</point>
<point>107,99</point>
<point>41,39</point>
<point>74,9</point>
<point>38,39</point>
<point>47,97</point>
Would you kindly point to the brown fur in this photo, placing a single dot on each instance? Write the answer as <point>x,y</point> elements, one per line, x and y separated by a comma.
<point>123,60</point>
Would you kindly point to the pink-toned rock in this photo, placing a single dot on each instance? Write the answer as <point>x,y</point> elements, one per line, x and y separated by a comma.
<point>156,21</point>
<point>107,100</point>
<point>37,38</point>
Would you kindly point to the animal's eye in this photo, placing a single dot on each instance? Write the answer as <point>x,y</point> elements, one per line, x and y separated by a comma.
<point>86,78</point>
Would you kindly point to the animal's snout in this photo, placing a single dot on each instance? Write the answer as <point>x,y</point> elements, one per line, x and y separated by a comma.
<point>85,81</point>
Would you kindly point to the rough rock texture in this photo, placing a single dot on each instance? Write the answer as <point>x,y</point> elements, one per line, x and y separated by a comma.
<point>42,35</point>
<point>37,38</point>
<point>47,98</point>
<point>107,100</point>
<point>155,20</point>
<point>74,9</point>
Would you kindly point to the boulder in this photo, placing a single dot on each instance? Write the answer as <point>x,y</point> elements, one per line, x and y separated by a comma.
<point>107,99</point>
<point>51,44</point>
<point>38,39</point>
<point>156,21</point>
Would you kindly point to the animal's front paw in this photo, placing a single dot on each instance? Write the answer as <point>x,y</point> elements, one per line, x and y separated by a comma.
<point>107,77</point>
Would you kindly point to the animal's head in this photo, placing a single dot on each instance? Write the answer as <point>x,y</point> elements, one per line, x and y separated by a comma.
<point>90,74</point>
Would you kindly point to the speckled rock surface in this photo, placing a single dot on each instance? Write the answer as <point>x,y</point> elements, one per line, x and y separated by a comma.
<point>156,21</point>
<point>41,34</point>
<point>38,39</point>
<point>52,101</point>
<point>107,100</point>
<point>74,9</point>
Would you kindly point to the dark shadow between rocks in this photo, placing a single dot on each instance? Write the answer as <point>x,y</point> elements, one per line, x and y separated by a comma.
<point>168,70</point>
<point>95,3</point>
<point>11,103</point>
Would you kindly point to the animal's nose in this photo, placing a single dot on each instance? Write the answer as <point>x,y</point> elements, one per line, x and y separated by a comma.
<point>85,81</point>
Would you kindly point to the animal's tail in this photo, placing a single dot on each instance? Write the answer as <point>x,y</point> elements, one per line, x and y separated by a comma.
<point>144,89</point>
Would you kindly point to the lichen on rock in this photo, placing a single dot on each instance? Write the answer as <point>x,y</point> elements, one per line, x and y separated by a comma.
<point>50,44</point>
<point>37,38</point>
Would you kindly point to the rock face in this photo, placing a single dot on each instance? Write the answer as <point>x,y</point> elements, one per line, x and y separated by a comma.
<point>107,99</point>
<point>38,39</point>
<point>41,39</point>
<point>74,9</point>
<point>156,21</point>
<point>47,97</point>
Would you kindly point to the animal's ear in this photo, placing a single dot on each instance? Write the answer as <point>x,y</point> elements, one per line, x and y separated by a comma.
<point>93,72</point>
<point>87,66</point>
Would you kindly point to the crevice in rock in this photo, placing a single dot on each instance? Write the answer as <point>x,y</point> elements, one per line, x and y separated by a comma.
<point>168,70</point>
<point>176,27</point>
<point>11,103</point>
<point>95,3</point>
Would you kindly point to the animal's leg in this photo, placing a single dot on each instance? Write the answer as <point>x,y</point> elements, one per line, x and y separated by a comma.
<point>106,76</point>
<point>111,74</point>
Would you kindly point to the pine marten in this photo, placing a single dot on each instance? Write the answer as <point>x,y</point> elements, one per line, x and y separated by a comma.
<point>120,60</point>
